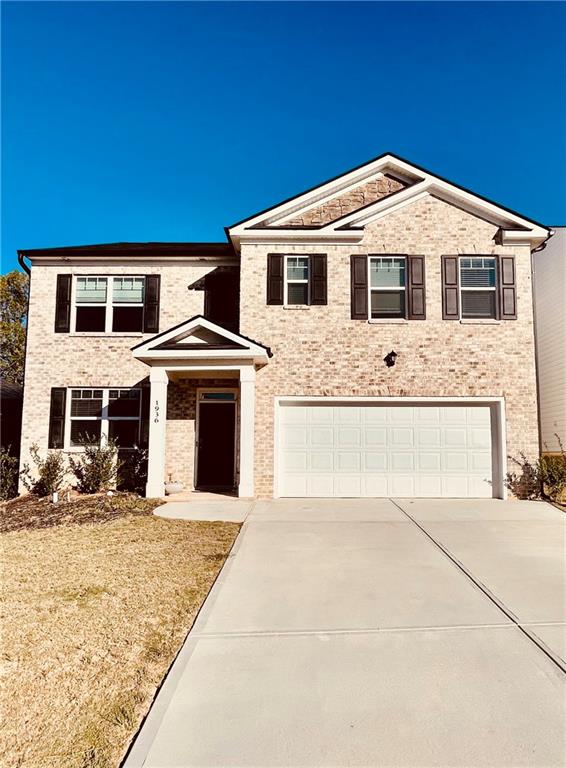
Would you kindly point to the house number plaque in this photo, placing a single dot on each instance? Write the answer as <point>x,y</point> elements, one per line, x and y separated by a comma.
<point>156,409</point>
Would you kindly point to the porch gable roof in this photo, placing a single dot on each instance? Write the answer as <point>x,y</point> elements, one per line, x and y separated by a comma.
<point>199,339</point>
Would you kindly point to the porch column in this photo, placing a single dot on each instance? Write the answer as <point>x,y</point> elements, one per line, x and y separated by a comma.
<point>158,380</point>
<point>247,430</point>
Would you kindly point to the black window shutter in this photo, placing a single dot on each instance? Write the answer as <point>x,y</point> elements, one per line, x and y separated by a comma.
<point>507,288</point>
<point>450,288</point>
<point>57,417</point>
<point>359,287</point>
<point>151,304</point>
<point>416,288</point>
<point>63,304</point>
<point>318,279</point>
<point>275,264</point>
<point>144,417</point>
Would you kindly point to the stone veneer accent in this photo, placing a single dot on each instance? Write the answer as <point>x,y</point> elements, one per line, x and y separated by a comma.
<point>367,193</point>
<point>321,351</point>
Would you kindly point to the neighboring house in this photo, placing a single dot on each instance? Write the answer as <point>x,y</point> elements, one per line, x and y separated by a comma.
<point>11,398</point>
<point>372,336</point>
<point>549,277</point>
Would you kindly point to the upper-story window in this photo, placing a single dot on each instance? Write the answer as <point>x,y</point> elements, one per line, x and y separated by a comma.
<point>387,287</point>
<point>109,304</point>
<point>296,280</point>
<point>478,287</point>
<point>105,414</point>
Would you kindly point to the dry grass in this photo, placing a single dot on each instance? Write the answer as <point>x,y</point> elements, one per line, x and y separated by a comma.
<point>92,616</point>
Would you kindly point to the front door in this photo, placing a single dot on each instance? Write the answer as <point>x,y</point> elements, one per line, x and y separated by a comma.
<point>216,442</point>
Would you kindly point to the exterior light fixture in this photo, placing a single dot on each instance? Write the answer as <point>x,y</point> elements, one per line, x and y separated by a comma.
<point>389,359</point>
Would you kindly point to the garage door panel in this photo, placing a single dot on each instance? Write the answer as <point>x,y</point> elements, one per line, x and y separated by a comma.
<point>321,436</point>
<point>383,450</point>
<point>348,462</point>
<point>455,437</point>
<point>321,461</point>
<point>428,437</point>
<point>401,438</point>
<point>346,437</point>
<point>375,437</point>
<point>374,461</point>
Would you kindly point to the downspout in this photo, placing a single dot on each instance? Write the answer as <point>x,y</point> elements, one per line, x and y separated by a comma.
<point>27,270</point>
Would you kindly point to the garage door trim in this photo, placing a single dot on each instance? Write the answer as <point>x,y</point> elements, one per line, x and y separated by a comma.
<point>499,457</point>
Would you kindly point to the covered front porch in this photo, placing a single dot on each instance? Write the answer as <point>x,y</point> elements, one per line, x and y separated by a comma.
<point>201,408</point>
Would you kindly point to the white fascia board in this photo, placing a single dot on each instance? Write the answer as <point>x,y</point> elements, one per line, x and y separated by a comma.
<point>157,261</point>
<point>199,354</point>
<point>301,236</point>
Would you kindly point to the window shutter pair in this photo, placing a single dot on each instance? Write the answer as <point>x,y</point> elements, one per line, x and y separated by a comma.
<point>415,287</point>
<point>150,309</point>
<point>507,303</point>
<point>317,279</point>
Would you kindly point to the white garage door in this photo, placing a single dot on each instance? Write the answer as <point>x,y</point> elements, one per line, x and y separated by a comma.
<point>378,450</point>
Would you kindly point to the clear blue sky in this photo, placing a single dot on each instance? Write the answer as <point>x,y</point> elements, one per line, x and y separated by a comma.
<point>168,121</point>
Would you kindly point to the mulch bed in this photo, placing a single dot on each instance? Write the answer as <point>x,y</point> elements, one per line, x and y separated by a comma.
<point>31,512</point>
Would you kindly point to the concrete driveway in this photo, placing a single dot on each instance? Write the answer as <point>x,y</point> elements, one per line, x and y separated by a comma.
<point>374,633</point>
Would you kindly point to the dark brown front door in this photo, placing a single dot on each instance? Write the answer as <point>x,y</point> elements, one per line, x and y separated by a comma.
<point>216,436</point>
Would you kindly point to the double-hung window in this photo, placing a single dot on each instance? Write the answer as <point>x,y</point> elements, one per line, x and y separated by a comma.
<point>296,280</point>
<point>387,287</point>
<point>478,287</point>
<point>98,415</point>
<point>105,304</point>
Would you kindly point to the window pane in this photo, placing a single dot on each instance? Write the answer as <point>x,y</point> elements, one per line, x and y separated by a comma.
<point>86,407</point>
<point>388,303</point>
<point>90,319</point>
<point>127,319</point>
<point>297,268</point>
<point>478,304</point>
<point>480,274</point>
<point>124,433</point>
<point>124,403</point>
<point>297,293</point>
<point>128,290</point>
<point>387,272</point>
<point>85,432</point>
<point>91,290</point>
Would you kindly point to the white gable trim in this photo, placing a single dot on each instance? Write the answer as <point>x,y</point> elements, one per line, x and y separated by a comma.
<point>269,226</point>
<point>150,350</point>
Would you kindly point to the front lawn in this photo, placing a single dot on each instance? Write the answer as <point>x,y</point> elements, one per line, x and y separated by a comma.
<point>97,597</point>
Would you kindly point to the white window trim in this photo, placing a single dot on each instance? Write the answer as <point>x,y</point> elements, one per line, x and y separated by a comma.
<point>386,288</point>
<point>109,306</point>
<point>286,281</point>
<point>462,289</point>
<point>105,419</point>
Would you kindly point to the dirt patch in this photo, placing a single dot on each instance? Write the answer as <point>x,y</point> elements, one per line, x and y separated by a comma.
<point>92,616</point>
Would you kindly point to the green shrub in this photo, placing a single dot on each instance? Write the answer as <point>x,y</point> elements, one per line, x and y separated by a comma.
<point>543,478</point>
<point>8,474</point>
<point>96,469</point>
<point>49,472</point>
<point>132,470</point>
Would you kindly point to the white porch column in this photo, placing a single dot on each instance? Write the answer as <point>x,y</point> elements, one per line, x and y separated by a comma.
<point>157,419</point>
<point>247,430</point>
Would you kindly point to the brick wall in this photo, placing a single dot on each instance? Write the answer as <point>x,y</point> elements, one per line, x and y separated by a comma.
<point>321,351</point>
<point>66,360</point>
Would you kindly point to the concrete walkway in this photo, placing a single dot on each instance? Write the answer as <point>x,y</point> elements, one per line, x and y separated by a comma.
<point>375,633</point>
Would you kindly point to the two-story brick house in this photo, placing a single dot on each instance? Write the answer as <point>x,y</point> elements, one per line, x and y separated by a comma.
<point>372,336</point>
